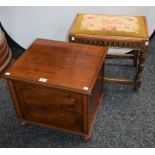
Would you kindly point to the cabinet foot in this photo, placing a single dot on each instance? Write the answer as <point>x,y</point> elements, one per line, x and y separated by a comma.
<point>22,123</point>
<point>87,138</point>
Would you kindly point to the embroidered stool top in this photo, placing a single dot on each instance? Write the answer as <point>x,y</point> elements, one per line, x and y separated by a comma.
<point>110,25</point>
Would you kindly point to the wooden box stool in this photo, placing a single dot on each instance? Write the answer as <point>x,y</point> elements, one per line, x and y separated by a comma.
<point>127,32</point>
<point>59,85</point>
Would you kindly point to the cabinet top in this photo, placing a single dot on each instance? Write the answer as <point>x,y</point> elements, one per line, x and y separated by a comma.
<point>58,64</point>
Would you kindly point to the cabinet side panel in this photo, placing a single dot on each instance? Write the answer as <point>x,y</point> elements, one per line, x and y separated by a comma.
<point>85,114</point>
<point>96,98</point>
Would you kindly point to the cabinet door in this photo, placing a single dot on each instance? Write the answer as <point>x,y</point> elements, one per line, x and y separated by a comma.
<point>50,106</point>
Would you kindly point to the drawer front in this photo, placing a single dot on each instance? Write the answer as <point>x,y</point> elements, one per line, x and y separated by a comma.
<point>50,106</point>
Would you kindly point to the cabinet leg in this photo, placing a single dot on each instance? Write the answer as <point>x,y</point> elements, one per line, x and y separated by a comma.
<point>87,138</point>
<point>22,123</point>
<point>1,80</point>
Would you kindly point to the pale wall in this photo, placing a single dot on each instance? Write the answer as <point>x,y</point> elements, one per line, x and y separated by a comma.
<point>24,24</point>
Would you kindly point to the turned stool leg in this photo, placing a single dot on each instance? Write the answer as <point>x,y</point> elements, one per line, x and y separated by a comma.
<point>142,58</point>
<point>135,60</point>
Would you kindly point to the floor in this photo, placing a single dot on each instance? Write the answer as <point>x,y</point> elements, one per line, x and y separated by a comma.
<point>126,118</point>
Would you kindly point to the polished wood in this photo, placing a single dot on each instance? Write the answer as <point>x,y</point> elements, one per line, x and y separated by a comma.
<point>68,66</point>
<point>139,45</point>
<point>61,102</point>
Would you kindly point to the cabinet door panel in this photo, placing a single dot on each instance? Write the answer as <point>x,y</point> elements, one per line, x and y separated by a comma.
<point>50,106</point>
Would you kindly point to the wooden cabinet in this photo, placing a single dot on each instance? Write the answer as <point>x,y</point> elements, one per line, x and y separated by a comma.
<point>64,103</point>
